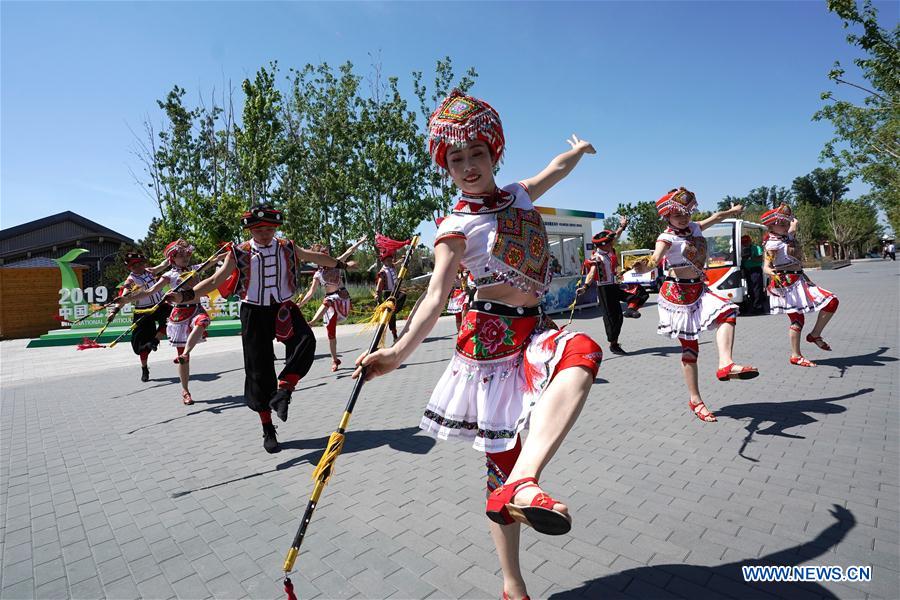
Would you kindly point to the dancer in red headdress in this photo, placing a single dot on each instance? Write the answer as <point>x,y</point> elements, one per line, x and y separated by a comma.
<point>790,291</point>
<point>264,272</point>
<point>686,307</point>
<point>512,368</point>
<point>387,276</point>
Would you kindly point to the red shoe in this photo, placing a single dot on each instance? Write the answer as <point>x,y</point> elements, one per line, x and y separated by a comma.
<point>802,362</point>
<point>818,341</point>
<point>698,409</point>
<point>539,514</point>
<point>186,398</point>
<point>505,596</point>
<point>727,372</point>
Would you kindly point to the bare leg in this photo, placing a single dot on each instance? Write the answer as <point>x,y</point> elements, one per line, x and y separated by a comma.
<point>551,420</point>
<point>821,322</point>
<point>195,336</point>
<point>506,540</point>
<point>724,343</point>
<point>332,347</point>
<point>794,337</point>
<point>184,374</point>
<point>318,315</point>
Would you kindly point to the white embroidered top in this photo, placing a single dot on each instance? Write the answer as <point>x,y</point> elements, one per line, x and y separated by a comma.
<point>145,280</point>
<point>505,243</point>
<point>685,250</point>
<point>778,253</point>
<point>269,281</point>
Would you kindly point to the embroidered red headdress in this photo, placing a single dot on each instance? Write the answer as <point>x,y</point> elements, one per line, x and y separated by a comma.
<point>782,214</point>
<point>681,201</point>
<point>177,247</point>
<point>387,247</point>
<point>460,119</point>
<point>261,215</point>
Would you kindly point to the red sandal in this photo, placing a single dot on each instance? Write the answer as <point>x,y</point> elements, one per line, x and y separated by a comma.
<point>818,341</point>
<point>801,361</point>
<point>539,514</point>
<point>698,407</point>
<point>726,373</point>
<point>186,398</point>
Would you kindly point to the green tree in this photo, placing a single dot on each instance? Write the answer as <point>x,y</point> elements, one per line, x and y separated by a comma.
<point>820,188</point>
<point>758,199</point>
<point>866,137</point>
<point>644,223</point>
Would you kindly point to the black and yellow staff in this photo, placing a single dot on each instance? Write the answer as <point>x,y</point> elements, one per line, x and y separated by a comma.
<point>185,277</point>
<point>325,469</point>
<point>88,344</point>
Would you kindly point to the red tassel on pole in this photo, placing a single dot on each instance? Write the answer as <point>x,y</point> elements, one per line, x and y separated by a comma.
<point>89,344</point>
<point>289,589</point>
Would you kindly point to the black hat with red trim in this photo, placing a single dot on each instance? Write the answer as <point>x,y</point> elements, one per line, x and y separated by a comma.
<point>134,257</point>
<point>261,215</point>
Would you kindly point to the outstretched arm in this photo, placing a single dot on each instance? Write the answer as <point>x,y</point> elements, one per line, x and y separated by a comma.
<point>714,218</point>
<point>139,294</point>
<point>349,251</point>
<point>558,168</point>
<point>591,276</point>
<point>323,260</point>
<point>647,264</point>
<point>157,269</point>
<point>209,284</point>
<point>309,293</point>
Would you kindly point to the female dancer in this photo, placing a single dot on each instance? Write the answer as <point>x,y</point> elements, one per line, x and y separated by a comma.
<point>458,303</point>
<point>336,305</point>
<point>187,323</point>
<point>686,307</point>
<point>790,291</point>
<point>150,328</point>
<point>387,276</point>
<point>511,368</point>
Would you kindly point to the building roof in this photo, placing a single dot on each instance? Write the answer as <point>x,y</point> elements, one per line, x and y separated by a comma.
<point>56,230</point>
<point>38,262</point>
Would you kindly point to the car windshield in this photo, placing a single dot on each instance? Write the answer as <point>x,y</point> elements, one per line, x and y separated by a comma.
<point>720,245</point>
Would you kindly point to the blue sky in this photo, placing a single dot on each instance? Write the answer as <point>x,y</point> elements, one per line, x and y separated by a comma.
<point>715,96</point>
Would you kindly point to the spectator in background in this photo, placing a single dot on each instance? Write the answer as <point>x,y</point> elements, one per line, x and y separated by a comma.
<point>751,265</point>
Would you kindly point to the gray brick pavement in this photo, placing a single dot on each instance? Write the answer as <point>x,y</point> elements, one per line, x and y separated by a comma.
<point>112,488</point>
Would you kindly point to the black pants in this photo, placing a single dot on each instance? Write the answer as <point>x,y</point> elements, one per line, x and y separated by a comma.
<point>756,291</point>
<point>148,325</point>
<point>608,298</point>
<point>257,333</point>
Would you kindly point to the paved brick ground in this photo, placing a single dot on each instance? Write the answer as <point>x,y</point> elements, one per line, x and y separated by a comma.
<point>112,488</point>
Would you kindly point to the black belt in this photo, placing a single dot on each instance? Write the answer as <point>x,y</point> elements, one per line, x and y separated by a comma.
<point>504,310</point>
<point>679,280</point>
<point>185,305</point>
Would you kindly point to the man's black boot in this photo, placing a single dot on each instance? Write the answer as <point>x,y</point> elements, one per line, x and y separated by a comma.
<point>270,441</point>
<point>279,403</point>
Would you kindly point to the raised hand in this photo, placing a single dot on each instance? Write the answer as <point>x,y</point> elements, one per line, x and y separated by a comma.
<point>581,145</point>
